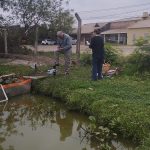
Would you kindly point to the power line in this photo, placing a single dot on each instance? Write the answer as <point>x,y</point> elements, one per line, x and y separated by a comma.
<point>101,17</point>
<point>114,8</point>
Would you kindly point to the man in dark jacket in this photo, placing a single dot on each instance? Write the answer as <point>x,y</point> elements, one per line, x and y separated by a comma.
<point>97,46</point>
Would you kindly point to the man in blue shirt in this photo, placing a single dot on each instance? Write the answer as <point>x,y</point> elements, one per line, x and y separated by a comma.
<point>64,47</point>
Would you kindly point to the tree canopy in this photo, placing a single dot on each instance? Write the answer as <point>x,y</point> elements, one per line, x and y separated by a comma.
<point>30,13</point>
<point>49,15</point>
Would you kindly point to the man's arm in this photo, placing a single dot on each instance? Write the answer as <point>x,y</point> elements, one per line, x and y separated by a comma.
<point>59,45</point>
<point>91,44</point>
<point>102,42</point>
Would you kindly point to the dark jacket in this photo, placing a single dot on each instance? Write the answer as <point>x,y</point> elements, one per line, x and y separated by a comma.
<point>97,46</point>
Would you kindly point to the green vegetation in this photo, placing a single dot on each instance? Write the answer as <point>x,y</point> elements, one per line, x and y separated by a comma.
<point>29,15</point>
<point>98,133</point>
<point>120,103</point>
<point>19,70</point>
<point>112,56</point>
<point>139,61</point>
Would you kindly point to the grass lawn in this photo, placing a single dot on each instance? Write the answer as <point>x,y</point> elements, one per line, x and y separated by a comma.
<point>121,103</point>
<point>19,70</point>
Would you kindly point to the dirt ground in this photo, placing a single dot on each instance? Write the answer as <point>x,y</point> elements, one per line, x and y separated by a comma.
<point>126,50</point>
<point>30,60</point>
<point>25,60</point>
<point>52,48</point>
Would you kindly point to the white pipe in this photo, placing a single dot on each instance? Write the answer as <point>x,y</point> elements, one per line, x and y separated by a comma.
<point>6,98</point>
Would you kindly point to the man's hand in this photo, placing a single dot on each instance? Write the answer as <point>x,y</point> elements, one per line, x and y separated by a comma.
<point>59,48</point>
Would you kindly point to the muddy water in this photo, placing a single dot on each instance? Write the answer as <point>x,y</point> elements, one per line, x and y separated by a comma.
<point>38,123</point>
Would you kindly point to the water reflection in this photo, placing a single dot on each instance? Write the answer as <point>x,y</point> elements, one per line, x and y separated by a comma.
<point>40,123</point>
<point>65,123</point>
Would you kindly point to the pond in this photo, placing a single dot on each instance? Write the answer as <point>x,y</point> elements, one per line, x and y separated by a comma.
<point>39,123</point>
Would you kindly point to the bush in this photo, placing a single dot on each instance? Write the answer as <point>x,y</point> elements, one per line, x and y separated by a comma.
<point>112,56</point>
<point>138,62</point>
<point>86,59</point>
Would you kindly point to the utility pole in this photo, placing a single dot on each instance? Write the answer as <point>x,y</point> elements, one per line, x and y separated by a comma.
<point>5,41</point>
<point>78,37</point>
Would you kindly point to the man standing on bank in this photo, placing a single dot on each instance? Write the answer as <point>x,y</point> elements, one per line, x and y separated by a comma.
<point>97,46</point>
<point>64,47</point>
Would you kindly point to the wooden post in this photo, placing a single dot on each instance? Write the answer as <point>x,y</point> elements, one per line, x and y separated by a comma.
<point>36,40</point>
<point>118,38</point>
<point>104,38</point>
<point>5,41</point>
<point>36,46</point>
<point>78,37</point>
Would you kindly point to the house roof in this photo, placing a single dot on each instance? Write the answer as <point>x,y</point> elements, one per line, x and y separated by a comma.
<point>128,19</point>
<point>115,31</point>
<point>90,27</point>
<point>140,24</point>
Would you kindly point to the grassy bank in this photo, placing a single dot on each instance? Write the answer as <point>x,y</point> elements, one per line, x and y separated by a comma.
<point>121,103</point>
<point>19,70</point>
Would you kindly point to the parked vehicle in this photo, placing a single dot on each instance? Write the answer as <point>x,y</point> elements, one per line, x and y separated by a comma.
<point>48,42</point>
<point>74,41</point>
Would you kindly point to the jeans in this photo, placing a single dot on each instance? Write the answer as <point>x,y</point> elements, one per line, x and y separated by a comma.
<point>97,64</point>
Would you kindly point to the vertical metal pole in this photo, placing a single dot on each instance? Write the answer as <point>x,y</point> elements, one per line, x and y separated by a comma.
<point>78,37</point>
<point>5,41</point>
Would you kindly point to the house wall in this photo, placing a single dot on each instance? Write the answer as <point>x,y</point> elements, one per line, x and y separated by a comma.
<point>134,34</point>
<point>85,37</point>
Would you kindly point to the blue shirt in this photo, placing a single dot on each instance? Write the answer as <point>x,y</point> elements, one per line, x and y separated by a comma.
<point>65,43</point>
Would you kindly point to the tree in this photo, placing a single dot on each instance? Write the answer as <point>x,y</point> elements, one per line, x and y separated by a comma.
<point>63,21</point>
<point>30,13</point>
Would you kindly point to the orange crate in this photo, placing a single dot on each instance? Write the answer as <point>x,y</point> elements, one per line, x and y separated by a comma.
<point>106,68</point>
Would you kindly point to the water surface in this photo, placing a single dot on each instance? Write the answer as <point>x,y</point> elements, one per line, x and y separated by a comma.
<point>40,123</point>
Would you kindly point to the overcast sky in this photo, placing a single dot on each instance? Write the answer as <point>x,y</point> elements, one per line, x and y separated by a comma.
<point>107,10</point>
<point>104,9</point>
